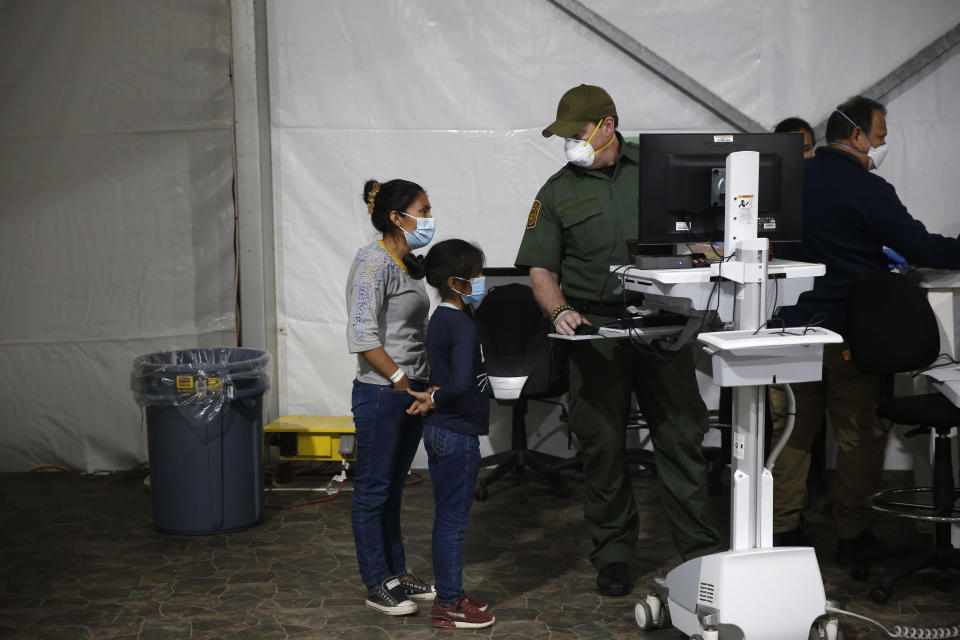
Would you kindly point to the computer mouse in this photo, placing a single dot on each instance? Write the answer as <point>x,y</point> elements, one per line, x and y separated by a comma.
<point>585,330</point>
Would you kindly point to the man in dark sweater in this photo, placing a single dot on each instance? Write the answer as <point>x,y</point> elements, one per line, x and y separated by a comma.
<point>849,216</point>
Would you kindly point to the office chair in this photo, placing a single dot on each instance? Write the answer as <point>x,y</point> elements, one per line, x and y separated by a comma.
<point>892,329</point>
<point>523,364</point>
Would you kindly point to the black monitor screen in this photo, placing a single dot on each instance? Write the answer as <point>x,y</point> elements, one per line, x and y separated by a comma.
<point>682,185</point>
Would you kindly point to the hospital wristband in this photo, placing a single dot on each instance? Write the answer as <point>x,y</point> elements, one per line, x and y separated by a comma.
<point>397,376</point>
<point>556,312</point>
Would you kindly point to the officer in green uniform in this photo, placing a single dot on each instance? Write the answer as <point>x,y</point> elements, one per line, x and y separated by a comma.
<point>578,227</point>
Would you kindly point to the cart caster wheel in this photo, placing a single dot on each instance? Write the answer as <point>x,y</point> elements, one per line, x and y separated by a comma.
<point>651,613</point>
<point>663,620</point>
<point>833,630</point>
<point>643,615</point>
<point>880,594</point>
<point>481,493</point>
<point>828,629</point>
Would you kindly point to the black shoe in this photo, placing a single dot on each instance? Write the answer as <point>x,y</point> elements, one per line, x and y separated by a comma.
<point>389,598</point>
<point>417,589</point>
<point>614,579</point>
<point>796,537</point>
<point>849,548</point>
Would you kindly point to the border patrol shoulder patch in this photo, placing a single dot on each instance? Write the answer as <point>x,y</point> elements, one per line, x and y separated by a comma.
<point>534,214</point>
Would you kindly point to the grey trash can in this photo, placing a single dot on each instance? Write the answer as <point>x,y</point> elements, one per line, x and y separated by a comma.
<point>204,415</point>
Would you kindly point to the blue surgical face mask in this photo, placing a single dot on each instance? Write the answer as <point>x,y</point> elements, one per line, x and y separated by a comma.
<point>422,235</point>
<point>478,288</point>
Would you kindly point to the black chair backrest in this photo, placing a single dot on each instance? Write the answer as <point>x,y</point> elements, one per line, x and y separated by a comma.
<point>890,324</point>
<point>513,332</point>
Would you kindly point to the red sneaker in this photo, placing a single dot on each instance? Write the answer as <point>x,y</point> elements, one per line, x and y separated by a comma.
<point>479,603</point>
<point>461,615</point>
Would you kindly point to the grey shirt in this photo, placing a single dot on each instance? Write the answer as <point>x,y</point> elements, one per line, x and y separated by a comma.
<point>386,308</point>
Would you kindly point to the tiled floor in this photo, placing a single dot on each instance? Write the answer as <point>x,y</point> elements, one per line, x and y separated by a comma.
<point>79,558</point>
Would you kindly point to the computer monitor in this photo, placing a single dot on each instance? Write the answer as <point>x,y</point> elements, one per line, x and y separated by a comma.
<point>682,186</point>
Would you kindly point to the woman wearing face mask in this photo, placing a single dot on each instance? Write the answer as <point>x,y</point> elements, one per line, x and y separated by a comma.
<point>458,405</point>
<point>387,307</point>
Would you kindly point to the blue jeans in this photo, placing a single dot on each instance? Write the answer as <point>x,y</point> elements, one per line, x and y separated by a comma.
<point>387,440</point>
<point>454,460</point>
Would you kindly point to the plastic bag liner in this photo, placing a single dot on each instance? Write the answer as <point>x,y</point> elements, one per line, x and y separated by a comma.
<point>204,417</point>
<point>200,380</point>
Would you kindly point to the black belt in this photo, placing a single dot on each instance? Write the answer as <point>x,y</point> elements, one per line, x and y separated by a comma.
<point>611,309</point>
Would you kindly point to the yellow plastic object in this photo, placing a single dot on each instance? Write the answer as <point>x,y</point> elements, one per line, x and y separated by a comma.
<point>316,437</point>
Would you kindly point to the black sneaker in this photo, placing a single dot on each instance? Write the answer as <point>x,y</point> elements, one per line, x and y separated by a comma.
<point>390,598</point>
<point>417,589</point>
<point>849,548</point>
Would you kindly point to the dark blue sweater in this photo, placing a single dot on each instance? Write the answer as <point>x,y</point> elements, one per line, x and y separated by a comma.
<point>456,366</point>
<point>849,215</point>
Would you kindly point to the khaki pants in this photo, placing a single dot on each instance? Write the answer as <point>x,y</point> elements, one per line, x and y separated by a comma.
<point>849,397</point>
<point>603,373</point>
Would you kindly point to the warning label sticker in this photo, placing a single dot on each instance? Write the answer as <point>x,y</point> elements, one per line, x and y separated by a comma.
<point>744,208</point>
<point>184,384</point>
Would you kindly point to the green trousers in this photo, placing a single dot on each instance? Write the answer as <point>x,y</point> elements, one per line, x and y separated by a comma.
<point>603,373</point>
<point>849,397</point>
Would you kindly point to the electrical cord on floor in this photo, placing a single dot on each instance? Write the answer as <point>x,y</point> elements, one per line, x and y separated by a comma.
<point>339,480</point>
<point>303,504</point>
<point>137,471</point>
<point>902,631</point>
<point>50,467</point>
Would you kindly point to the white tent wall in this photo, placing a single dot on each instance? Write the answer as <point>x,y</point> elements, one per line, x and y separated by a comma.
<point>116,215</point>
<point>453,94</point>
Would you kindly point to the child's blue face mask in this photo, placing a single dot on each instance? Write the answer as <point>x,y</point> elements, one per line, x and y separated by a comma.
<point>478,288</point>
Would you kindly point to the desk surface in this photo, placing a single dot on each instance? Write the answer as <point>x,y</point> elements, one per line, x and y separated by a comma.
<point>946,380</point>
<point>636,332</point>
<point>749,341</point>
<point>939,278</point>
<point>787,268</point>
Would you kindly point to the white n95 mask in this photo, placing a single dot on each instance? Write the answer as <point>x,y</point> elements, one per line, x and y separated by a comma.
<point>876,155</point>
<point>580,152</point>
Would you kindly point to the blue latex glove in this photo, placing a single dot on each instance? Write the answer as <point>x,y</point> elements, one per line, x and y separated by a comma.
<point>897,261</point>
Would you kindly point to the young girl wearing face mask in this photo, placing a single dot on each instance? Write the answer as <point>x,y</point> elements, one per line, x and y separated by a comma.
<point>457,410</point>
<point>387,308</point>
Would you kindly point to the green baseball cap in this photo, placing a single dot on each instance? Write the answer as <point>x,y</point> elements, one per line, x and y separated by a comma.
<point>577,107</point>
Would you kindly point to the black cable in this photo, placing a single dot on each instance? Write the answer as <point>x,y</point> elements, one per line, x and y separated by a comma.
<point>815,321</point>
<point>714,290</point>
<point>776,298</point>
<point>633,333</point>
<point>783,326</point>
<point>934,365</point>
